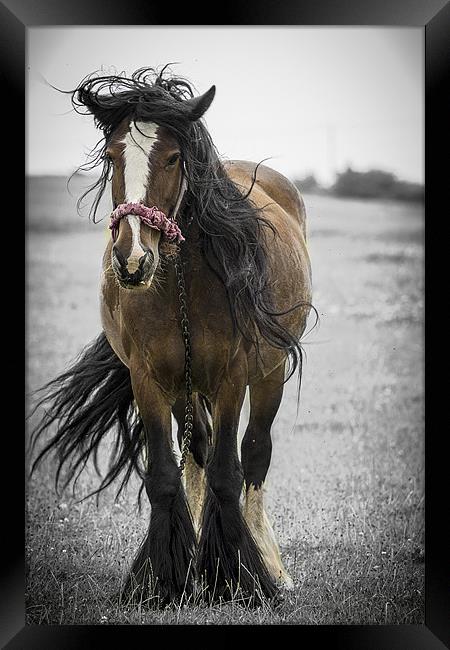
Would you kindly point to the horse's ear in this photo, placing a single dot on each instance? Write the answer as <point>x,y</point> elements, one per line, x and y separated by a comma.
<point>100,110</point>
<point>87,99</point>
<point>197,106</point>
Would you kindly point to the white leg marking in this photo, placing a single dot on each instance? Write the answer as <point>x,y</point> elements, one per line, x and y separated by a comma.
<point>262,531</point>
<point>195,491</point>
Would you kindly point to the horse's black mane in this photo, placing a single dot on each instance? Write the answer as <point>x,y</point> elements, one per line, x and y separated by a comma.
<point>230,225</point>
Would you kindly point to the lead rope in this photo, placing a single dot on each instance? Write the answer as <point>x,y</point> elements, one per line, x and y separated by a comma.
<point>189,407</point>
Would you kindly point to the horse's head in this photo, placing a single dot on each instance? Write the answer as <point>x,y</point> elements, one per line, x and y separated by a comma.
<point>147,171</point>
<point>148,181</point>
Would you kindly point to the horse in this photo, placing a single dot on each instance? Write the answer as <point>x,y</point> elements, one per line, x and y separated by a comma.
<point>205,292</point>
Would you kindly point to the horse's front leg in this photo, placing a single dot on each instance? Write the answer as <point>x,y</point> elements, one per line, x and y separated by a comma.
<point>229,561</point>
<point>164,565</point>
<point>196,457</point>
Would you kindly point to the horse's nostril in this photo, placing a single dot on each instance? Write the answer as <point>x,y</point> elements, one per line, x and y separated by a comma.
<point>119,257</point>
<point>146,262</point>
<point>132,275</point>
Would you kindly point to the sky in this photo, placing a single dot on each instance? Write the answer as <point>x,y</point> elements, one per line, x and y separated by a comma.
<point>312,99</point>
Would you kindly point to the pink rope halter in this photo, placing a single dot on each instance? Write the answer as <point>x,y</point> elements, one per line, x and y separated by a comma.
<point>150,216</point>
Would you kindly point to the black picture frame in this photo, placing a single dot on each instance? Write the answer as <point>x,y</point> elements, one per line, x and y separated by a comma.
<point>18,15</point>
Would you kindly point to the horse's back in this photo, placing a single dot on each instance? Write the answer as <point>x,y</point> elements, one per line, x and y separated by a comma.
<point>281,190</point>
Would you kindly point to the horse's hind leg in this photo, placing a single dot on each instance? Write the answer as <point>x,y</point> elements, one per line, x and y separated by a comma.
<point>228,558</point>
<point>256,451</point>
<point>163,567</point>
<point>196,457</point>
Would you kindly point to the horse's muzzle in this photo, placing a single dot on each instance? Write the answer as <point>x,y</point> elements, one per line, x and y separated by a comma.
<point>140,276</point>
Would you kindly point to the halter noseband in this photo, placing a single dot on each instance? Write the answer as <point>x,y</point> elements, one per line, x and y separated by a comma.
<point>152,217</point>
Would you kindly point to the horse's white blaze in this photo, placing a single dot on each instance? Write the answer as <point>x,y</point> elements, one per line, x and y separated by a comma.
<point>137,249</point>
<point>262,531</point>
<point>139,142</point>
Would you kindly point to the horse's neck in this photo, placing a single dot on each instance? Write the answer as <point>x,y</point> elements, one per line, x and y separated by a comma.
<point>191,250</point>
<point>193,263</point>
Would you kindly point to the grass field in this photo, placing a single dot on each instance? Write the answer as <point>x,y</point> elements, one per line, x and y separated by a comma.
<point>345,489</point>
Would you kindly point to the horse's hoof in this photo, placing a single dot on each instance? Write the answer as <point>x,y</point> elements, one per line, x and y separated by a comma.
<point>285,582</point>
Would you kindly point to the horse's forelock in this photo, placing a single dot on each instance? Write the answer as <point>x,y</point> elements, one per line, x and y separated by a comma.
<point>144,96</point>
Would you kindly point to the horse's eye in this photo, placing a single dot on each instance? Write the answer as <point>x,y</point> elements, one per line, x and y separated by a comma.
<point>173,159</point>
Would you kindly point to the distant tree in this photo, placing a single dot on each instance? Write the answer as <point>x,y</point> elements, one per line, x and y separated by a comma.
<point>363,184</point>
<point>405,191</point>
<point>307,184</point>
<point>375,183</point>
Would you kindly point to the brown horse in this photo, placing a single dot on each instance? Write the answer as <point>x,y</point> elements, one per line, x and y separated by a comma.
<point>228,241</point>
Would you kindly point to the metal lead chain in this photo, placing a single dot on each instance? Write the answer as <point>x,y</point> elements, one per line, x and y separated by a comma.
<point>189,408</point>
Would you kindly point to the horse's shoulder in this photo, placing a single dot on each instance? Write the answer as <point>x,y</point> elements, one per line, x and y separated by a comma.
<point>279,188</point>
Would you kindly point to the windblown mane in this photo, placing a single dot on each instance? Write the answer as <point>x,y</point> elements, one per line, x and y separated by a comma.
<point>230,225</point>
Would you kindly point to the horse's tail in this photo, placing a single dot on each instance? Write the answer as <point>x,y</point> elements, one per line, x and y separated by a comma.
<point>85,402</point>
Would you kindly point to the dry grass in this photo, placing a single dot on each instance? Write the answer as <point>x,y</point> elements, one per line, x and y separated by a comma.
<point>345,488</point>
